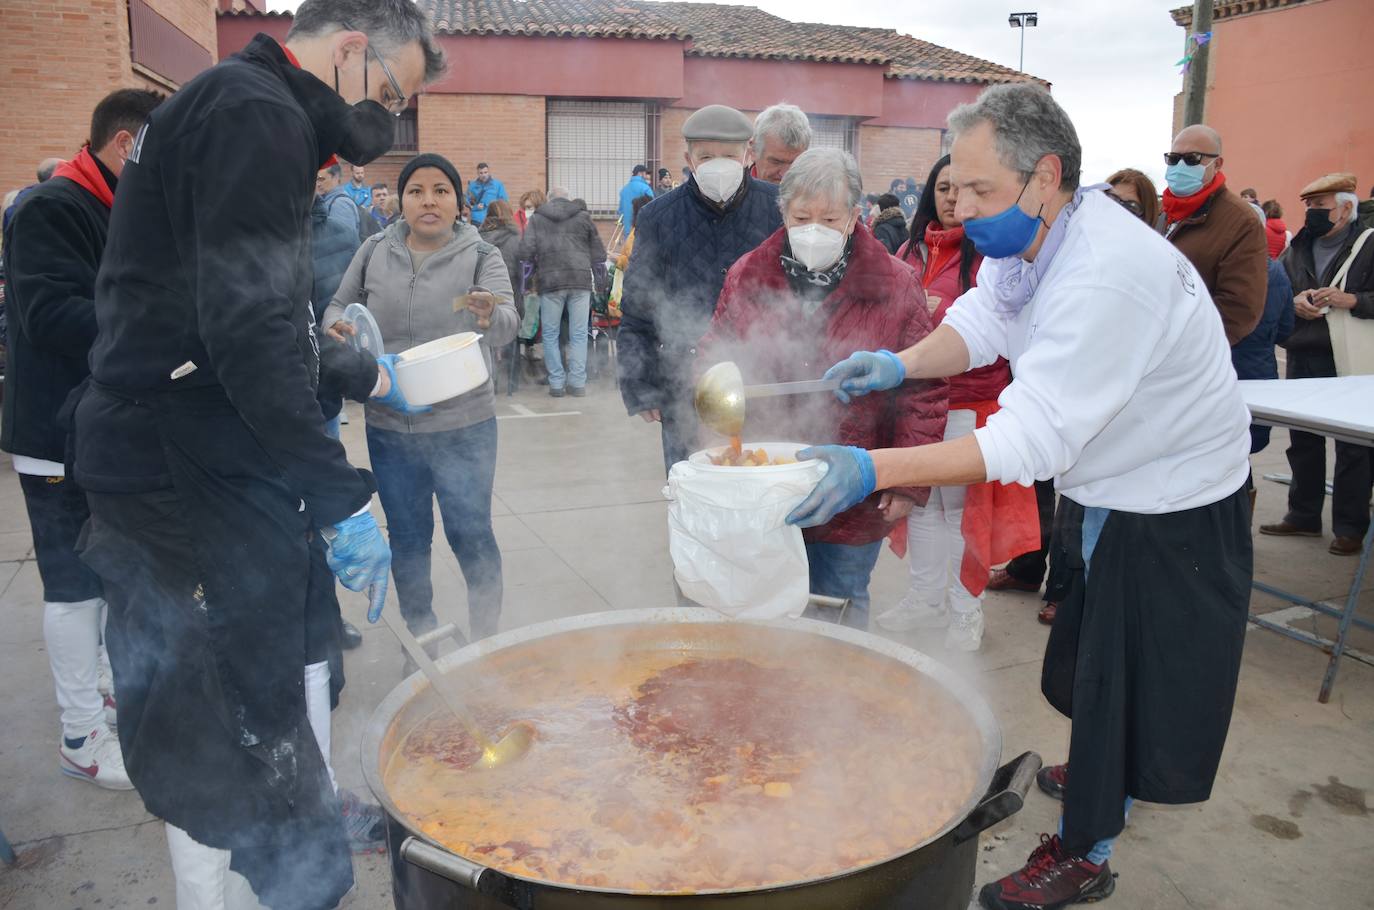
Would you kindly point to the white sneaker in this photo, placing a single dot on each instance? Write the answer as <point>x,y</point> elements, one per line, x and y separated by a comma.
<point>965,632</point>
<point>98,760</point>
<point>912,614</point>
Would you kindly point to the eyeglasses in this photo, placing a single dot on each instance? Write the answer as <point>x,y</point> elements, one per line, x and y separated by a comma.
<point>401,101</point>
<point>1192,159</point>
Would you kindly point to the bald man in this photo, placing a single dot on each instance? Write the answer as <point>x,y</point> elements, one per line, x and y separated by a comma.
<point>1216,230</point>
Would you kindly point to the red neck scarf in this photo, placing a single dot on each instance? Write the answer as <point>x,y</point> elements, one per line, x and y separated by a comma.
<point>1177,208</point>
<point>333,159</point>
<point>85,173</point>
<point>943,245</point>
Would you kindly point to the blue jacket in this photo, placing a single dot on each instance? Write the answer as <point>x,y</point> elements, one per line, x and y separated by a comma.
<point>340,209</point>
<point>359,194</point>
<point>484,194</point>
<point>332,246</point>
<point>684,245</point>
<point>1253,356</point>
<point>631,191</point>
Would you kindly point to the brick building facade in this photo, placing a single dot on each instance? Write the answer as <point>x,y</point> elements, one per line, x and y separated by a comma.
<point>574,92</point>
<point>62,56</point>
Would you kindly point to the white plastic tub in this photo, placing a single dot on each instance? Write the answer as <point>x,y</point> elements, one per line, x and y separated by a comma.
<point>764,472</point>
<point>442,369</point>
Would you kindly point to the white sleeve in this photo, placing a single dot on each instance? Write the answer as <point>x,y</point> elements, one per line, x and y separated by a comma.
<point>1091,347</point>
<point>973,315</point>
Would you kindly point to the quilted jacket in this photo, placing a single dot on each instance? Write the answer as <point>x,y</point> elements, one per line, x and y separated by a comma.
<point>684,245</point>
<point>761,326</point>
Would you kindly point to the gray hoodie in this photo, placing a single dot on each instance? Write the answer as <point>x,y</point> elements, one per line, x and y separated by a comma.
<point>415,307</point>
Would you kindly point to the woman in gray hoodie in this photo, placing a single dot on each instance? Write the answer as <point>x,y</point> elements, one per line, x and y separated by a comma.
<point>411,276</point>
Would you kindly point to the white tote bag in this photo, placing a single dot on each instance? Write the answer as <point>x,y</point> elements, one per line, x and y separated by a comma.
<point>1352,338</point>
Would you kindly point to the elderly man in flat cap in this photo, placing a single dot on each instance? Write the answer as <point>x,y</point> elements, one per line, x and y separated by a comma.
<point>1331,265</point>
<point>685,242</point>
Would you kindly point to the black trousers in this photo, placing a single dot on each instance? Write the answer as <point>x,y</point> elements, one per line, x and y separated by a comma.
<point>1030,567</point>
<point>57,510</point>
<point>1353,477</point>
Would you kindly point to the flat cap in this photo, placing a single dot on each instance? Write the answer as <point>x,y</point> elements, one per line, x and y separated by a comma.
<point>717,123</point>
<point>1331,183</point>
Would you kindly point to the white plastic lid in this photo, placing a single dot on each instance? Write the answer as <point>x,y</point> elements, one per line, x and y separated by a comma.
<point>367,337</point>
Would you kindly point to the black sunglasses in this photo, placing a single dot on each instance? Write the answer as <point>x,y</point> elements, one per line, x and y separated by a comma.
<point>1129,205</point>
<point>1192,159</point>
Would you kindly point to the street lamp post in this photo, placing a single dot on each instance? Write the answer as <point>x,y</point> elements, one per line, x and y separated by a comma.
<point>1023,21</point>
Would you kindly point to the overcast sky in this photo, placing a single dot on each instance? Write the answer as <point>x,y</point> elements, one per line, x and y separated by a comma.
<point>1111,62</point>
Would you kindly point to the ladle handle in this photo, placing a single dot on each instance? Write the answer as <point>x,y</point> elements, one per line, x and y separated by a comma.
<point>437,680</point>
<point>802,387</point>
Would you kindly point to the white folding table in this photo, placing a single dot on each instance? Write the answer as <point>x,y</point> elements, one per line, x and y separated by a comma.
<point>1343,409</point>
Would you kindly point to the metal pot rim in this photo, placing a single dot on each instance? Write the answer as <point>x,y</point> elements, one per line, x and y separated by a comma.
<point>416,685</point>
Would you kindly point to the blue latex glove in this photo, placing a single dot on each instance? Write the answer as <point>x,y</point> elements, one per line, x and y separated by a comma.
<point>849,481</point>
<point>394,398</point>
<point>358,554</point>
<point>867,371</point>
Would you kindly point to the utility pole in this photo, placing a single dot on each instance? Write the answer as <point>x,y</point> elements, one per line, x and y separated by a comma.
<point>1195,84</point>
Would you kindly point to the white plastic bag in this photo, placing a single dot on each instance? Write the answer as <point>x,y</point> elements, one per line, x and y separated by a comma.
<point>727,533</point>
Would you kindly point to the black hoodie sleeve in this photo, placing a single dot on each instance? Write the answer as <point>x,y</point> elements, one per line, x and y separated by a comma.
<point>251,302</point>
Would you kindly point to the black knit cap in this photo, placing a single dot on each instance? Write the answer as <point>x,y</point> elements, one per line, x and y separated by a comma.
<point>429,159</point>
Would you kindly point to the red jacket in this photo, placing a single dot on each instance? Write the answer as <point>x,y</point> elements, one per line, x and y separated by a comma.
<point>760,325</point>
<point>1276,236</point>
<point>941,253</point>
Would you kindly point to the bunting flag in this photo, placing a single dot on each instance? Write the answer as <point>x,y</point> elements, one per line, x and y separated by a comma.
<point>1186,62</point>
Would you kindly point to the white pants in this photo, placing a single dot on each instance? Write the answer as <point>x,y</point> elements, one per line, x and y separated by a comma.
<point>71,632</point>
<point>317,709</point>
<point>935,538</point>
<point>204,879</point>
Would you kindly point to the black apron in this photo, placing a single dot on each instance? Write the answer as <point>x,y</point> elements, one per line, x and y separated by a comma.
<point>1144,656</point>
<point>208,588</point>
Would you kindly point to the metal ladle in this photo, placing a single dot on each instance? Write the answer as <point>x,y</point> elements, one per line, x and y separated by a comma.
<point>721,393</point>
<point>511,746</point>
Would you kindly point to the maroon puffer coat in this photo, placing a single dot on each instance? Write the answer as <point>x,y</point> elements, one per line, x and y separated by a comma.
<point>760,325</point>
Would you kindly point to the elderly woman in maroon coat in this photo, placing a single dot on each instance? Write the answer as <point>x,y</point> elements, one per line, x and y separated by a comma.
<point>819,288</point>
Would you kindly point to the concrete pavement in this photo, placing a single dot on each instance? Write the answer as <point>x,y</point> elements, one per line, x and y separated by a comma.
<point>581,525</point>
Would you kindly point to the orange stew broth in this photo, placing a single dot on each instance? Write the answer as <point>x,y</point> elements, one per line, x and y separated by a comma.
<point>673,773</point>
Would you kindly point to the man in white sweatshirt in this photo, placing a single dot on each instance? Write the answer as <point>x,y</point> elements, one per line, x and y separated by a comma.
<point>1124,394</point>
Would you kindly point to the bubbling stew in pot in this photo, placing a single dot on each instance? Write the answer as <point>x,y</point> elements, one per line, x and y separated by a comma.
<point>664,771</point>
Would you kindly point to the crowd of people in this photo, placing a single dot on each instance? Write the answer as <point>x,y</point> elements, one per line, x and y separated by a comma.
<point>175,421</point>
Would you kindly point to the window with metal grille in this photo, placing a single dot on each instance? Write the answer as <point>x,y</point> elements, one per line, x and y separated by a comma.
<point>834,133</point>
<point>407,131</point>
<point>162,48</point>
<point>593,145</point>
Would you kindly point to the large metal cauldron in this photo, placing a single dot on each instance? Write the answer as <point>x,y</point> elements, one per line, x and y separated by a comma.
<point>935,875</point>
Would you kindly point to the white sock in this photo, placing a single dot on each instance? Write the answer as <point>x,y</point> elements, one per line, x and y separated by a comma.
<point>72,634</point>
<point>317,709</point>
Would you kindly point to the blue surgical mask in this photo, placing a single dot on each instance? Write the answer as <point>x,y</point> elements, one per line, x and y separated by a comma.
<point>1006,234</point>
<point>1184,179</point>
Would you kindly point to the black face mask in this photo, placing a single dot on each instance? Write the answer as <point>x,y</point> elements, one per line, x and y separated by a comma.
<point>369,130</point>
<point>369,133</point>
<point>1318,222</point>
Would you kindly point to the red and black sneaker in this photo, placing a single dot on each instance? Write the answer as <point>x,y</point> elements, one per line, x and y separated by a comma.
<point>1051,879</point>
<point>1053,779</point>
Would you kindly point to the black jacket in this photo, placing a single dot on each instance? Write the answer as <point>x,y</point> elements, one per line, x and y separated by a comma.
<point>684,245</point>
<point>203,303</point>
<point>1313,336</point>
<point>890,229</point>
<point>52,253</point>
<point>506,238</point>
<point>564,246</point>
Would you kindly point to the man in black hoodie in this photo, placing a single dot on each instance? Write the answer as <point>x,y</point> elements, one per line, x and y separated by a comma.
<point>53,246</point>
<point>202,447</point>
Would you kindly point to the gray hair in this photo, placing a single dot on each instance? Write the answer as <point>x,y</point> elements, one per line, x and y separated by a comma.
<point>558,192</point>
<point>786,123</point>
<point>1028,125</point>
<point>822,171</point>
<point>1343,198</point>
<point>389,25</point>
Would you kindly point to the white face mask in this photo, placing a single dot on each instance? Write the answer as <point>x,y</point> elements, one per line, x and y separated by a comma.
<point>816,246</point>
<point>529,210</point>
<point>719,178</point>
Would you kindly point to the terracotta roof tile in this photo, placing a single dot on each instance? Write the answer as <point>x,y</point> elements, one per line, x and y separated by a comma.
<point>716,30</point>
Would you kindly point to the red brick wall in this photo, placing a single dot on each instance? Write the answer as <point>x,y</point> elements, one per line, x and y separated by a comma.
<point>505,131</point>
<point>60,58</point>
<point>889,152</point>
